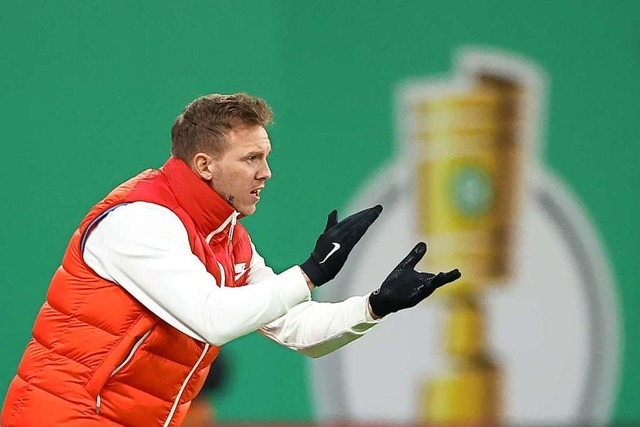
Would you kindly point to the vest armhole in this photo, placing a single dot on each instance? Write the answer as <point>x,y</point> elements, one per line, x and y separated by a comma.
<point>93,224</point>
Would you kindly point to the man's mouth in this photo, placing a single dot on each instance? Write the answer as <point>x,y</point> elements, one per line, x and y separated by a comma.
<point>256,192</point>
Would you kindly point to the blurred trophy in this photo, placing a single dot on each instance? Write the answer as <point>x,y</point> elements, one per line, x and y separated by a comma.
<point>467,154</point>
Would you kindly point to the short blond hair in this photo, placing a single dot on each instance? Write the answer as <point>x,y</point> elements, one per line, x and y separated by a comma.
<point>206,121</point>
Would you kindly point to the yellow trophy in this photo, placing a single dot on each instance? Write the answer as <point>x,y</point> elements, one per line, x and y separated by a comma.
<point>468,166</point>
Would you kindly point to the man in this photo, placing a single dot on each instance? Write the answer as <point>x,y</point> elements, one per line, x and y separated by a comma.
<point>160,274</point>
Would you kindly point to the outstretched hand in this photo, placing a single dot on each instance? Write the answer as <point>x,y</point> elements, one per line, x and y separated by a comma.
<point>336,242</point>
<point>405,287</point>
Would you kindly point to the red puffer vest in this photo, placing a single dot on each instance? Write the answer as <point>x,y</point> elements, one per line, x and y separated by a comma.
<point>98,357</point>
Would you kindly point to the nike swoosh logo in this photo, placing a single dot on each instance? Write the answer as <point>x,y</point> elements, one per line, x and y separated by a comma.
<point>336,246</point>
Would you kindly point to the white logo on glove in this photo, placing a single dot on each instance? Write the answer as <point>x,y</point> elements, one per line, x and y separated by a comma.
<point>336,246</point>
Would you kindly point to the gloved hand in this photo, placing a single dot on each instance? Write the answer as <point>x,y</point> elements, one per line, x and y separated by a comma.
<point>335,243</point>
<point>406,287</point>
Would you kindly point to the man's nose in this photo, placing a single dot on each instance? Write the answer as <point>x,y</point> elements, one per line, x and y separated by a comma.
<point>265,172</point>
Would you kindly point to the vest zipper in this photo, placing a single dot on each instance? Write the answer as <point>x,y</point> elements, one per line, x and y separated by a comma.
<point>184,385</point>
<point>122,365</point>
<point>234,220</point>
<point>223,280</point>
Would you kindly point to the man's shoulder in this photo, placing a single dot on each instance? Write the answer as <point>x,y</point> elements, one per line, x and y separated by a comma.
<point>138,213</point>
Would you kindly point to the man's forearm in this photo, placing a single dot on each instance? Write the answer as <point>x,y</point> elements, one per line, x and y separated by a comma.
<point>316,329</point>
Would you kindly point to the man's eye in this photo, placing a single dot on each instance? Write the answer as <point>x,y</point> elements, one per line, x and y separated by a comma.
<point>252,158</point>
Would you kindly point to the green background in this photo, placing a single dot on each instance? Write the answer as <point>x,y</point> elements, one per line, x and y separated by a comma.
<point>89,90</point>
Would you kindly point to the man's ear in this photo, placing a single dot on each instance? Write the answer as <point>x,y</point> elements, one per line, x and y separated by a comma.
<point>203,165</point>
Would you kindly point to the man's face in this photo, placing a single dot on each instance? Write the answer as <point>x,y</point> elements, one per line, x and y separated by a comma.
<point>240,173</point>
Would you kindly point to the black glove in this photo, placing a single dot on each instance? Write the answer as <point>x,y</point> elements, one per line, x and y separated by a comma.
<point>405,287</point>
<point>335,243</point>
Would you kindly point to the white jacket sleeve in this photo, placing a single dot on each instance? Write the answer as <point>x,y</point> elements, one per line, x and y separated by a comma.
<point>319,328</point>
<point>145,249</point>
<point>314,328</point>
